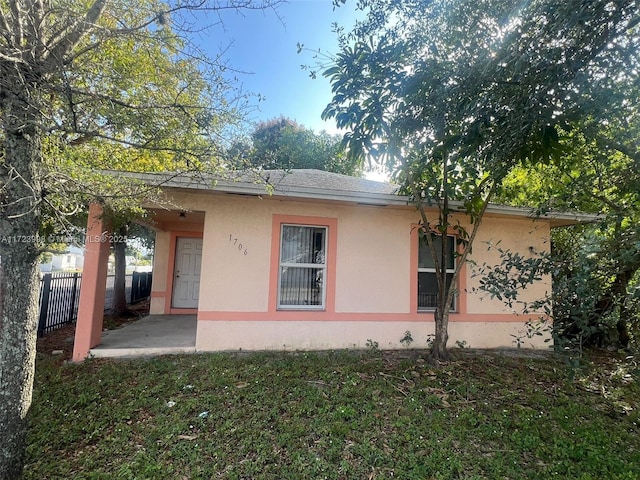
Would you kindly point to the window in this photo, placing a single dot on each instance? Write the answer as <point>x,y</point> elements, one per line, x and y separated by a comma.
<point>303,267</point>
<point>427,282</point>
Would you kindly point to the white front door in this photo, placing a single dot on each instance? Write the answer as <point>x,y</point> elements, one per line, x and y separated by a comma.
<point>186,274</point>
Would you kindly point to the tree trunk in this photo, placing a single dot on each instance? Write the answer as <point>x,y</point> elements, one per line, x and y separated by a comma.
<point>20,194</point>
<point>119,304</point>
<point>439,348</point>
<point>441,315</point>
<point>619,292</point>
<point>615,297</point>
<point>20,282</point>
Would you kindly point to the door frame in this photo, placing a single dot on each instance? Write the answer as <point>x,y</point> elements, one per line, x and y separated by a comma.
<point>171,266</point>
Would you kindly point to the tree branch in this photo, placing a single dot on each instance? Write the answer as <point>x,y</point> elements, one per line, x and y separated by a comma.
<point>16,13</point>
<point>4,26</point>
<point>73,36</point>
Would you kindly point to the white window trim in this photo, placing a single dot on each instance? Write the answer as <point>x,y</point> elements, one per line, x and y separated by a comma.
<point>433,270</point>
<point>315,266</point>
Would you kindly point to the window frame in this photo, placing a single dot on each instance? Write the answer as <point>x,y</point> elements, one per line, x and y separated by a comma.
<point>323,267</point>
<point>419,270</point>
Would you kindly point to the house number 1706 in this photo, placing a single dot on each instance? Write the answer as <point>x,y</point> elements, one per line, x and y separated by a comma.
<point>234,241</point>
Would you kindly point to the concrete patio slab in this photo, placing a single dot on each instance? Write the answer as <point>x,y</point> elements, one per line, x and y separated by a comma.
<point>149,336</point>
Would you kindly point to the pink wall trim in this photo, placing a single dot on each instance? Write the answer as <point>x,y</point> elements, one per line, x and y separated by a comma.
<point>168,294</point>
<point>94,284</point>
<point>315,316</point>
<point>332,247</point>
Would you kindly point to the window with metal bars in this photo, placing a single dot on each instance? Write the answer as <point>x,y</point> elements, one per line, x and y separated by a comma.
<point>303,267</point>
<point>427,281</point>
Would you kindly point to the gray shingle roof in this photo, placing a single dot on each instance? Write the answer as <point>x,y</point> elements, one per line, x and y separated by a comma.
<point>326,180</point>
<point>320,185</point>
<point>302,183</point>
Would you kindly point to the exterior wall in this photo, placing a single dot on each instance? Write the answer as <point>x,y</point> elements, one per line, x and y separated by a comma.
<point>374,271</point>
<point>237,250</point>
<point>164,256</point>
<point>522,235</point>
<point>160,269</point>
<point>277,335</point>
<point>371,277</point>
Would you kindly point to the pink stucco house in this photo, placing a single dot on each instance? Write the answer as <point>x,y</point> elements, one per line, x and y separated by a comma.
<point>310,260</point>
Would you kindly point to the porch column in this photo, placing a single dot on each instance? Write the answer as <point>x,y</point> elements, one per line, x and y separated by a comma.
<point>94,285</point>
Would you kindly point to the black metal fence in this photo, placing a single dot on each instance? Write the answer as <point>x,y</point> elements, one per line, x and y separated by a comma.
<point>60,294</point>
<point>140,286</point>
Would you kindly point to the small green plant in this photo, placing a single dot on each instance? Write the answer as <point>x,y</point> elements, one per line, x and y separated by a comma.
<point>539,328</point>
<point>345,412</point>
<point>372,345</point>
<point>430,338</point>
<point>533,328</point>
<point>462,344</point>
<point>407,339</point>
<point>518,339</point>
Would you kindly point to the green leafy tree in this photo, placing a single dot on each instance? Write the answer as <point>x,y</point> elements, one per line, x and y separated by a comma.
<point>69,77</point>
<point>181,146</point>
<point>597,277</point>
<point>281,143</point>
<point>455,94</point>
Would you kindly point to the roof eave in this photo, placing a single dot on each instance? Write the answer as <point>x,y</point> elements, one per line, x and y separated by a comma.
<point>261,190</point>
<point>182,182</point>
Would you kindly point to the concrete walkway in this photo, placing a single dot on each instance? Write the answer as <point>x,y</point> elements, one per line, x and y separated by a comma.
<point>152,335</point>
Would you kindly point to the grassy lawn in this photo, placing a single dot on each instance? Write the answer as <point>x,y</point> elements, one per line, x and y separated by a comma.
<point>335,415</point>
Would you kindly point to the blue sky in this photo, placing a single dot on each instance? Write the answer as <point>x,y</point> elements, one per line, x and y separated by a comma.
<point>265,45</point>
